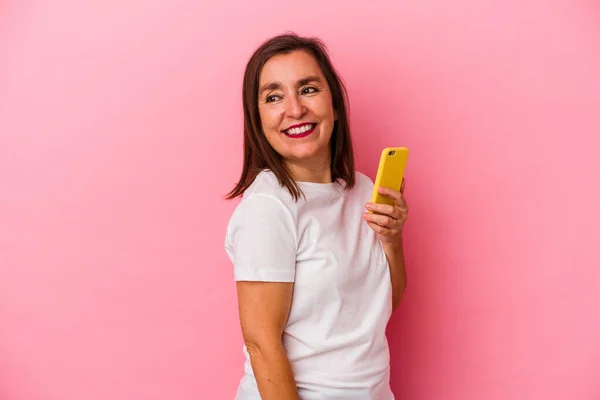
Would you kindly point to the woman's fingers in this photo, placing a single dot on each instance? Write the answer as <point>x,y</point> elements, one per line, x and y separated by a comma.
<point>381,230</point>
<point>395,195</point>
<point>387,220</point>
<point>391,193</point>
<point>379,219</point>
<point>384,209</point>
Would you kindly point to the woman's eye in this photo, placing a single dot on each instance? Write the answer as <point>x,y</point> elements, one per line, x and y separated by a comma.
<point>272,98</point>
<point>309,90</point>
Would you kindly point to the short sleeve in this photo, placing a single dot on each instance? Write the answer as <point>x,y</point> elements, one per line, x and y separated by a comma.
<point>261,240</point>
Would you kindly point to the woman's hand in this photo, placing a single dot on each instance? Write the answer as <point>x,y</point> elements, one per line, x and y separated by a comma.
<point>387,220</point>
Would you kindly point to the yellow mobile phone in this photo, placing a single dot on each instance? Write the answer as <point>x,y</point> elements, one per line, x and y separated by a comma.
<point>390,172</point>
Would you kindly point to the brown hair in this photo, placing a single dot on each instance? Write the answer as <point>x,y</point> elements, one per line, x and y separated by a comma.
<point>258,153</point>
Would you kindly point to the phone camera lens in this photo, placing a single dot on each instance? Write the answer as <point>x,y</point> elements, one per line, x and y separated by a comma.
<point>391,153</point>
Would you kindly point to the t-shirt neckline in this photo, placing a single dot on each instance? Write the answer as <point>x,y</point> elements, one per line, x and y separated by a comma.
<point>334,187</point>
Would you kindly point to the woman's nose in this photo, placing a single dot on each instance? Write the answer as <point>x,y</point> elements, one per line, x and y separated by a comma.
<point>295,108</point>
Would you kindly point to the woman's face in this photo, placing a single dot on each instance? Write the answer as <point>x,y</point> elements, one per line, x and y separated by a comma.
<point>296,111</point>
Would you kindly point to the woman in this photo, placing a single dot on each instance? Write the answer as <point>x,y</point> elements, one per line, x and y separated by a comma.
<point>317,274</point>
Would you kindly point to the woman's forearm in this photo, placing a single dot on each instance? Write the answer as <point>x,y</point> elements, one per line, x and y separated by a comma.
<point>273,372</point>
<point>395,256</point>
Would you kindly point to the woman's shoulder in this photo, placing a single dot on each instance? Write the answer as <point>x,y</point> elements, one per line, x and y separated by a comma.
<point>266,186</point>
<point>264,194</point>
<point>262,204</point>
<point>362,182</point>
<point>362,179</point>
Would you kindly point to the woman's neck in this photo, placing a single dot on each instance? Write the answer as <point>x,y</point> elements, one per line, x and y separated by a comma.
<point>317,173</point>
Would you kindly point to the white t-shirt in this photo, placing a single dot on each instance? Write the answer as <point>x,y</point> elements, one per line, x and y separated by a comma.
<point>342,299</point>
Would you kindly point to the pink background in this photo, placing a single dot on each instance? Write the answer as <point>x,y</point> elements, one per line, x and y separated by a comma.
<point>120,132</point>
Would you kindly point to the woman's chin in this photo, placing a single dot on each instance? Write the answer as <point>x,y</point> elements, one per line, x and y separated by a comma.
<point>315,156</point>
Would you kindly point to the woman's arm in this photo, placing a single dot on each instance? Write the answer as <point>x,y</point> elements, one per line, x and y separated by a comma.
<point>388,222</point>
<point>264,308</point>
<point>395,256</point>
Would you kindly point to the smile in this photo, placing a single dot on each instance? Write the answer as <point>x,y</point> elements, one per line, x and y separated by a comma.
<point>300,130</point>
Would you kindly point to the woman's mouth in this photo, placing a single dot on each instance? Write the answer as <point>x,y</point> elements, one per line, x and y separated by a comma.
<point>300,130</point>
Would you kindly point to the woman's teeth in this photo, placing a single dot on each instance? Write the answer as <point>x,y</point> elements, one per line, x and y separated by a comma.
<point>302,129</point>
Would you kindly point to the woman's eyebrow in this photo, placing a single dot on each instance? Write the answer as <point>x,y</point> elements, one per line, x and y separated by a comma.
<point>309,79</point>
<point>269,86</point>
